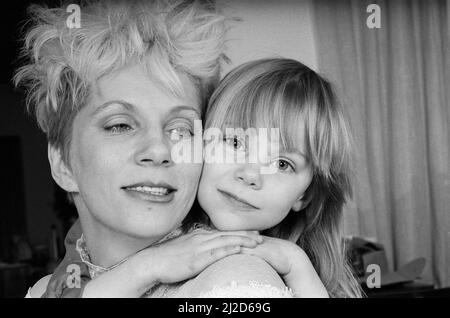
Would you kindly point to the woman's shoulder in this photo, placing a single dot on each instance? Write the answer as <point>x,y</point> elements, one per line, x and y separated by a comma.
<point>237,276</point>
<point>39,288</point>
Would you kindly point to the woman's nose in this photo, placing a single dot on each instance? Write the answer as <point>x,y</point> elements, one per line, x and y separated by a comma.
<point>154,150</point>
<point>250,175</point>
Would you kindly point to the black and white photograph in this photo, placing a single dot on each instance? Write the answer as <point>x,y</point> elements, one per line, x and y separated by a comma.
<point>226,149</point>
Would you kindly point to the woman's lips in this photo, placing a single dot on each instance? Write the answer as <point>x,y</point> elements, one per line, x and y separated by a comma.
<point>151,194</point>
<point>236,201</point>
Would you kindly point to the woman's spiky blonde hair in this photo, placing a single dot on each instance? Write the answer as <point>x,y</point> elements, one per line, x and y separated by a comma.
<point>167,38</point>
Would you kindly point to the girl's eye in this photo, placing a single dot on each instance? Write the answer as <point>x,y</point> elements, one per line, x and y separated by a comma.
<point>283,165</point>
<point>180,133</point>
<point>234,142</point>
<point>118,128</point>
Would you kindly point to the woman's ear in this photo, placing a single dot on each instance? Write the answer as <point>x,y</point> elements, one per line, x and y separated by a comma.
<point>60,172</point>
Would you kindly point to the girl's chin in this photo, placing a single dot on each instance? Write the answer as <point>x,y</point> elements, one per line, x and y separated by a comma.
<point>227,224</point>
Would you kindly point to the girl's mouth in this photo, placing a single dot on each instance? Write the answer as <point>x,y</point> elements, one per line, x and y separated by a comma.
<point>236,201</point>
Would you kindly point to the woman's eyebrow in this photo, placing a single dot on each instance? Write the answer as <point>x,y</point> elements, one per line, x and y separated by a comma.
<point>120,102</point>
<point>181,108</point>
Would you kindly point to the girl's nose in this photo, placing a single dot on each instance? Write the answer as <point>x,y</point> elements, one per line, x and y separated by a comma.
<point>154,150</point>
<point>249,174</point>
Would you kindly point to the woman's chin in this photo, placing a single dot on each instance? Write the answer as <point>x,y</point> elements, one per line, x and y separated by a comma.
<point>146,230</point>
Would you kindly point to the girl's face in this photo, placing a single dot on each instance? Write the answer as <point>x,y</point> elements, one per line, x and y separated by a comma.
<point>237,196</point>
<point>121,168</point>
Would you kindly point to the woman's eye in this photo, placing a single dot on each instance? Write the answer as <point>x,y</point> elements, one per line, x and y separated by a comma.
<point>283,165</point>
<point>180,133</point>
<point>234,142</point>
<point>118,128</point>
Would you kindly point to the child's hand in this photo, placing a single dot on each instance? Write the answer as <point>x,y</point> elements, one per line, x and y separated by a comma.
<point>293,265</point>
<point>186,256</point>
<point>280,254</point>
<point>171,261</point>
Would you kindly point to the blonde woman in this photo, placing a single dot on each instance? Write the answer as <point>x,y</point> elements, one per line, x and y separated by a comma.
<point>113,97</point>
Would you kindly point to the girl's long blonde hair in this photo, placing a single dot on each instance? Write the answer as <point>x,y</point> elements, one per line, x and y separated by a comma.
<point>275,93</point>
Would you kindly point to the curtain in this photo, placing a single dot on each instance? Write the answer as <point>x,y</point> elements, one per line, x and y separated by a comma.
<point>394,82</point>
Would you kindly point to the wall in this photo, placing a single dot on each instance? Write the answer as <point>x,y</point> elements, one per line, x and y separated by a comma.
<point>270,28</point>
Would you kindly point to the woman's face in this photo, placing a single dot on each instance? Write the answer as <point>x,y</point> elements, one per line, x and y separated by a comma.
<point>237,196</point>
<point>120,155</point>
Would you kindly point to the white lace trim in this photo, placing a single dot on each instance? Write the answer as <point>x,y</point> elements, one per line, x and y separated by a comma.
<point>251,290</point>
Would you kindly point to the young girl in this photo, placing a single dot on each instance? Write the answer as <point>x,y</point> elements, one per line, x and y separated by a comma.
<point>298,205</point>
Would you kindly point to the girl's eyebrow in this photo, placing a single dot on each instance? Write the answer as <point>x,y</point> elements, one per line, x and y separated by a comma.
<point>126,105</point>
<point>300,153</point>
<point>294,153</point>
